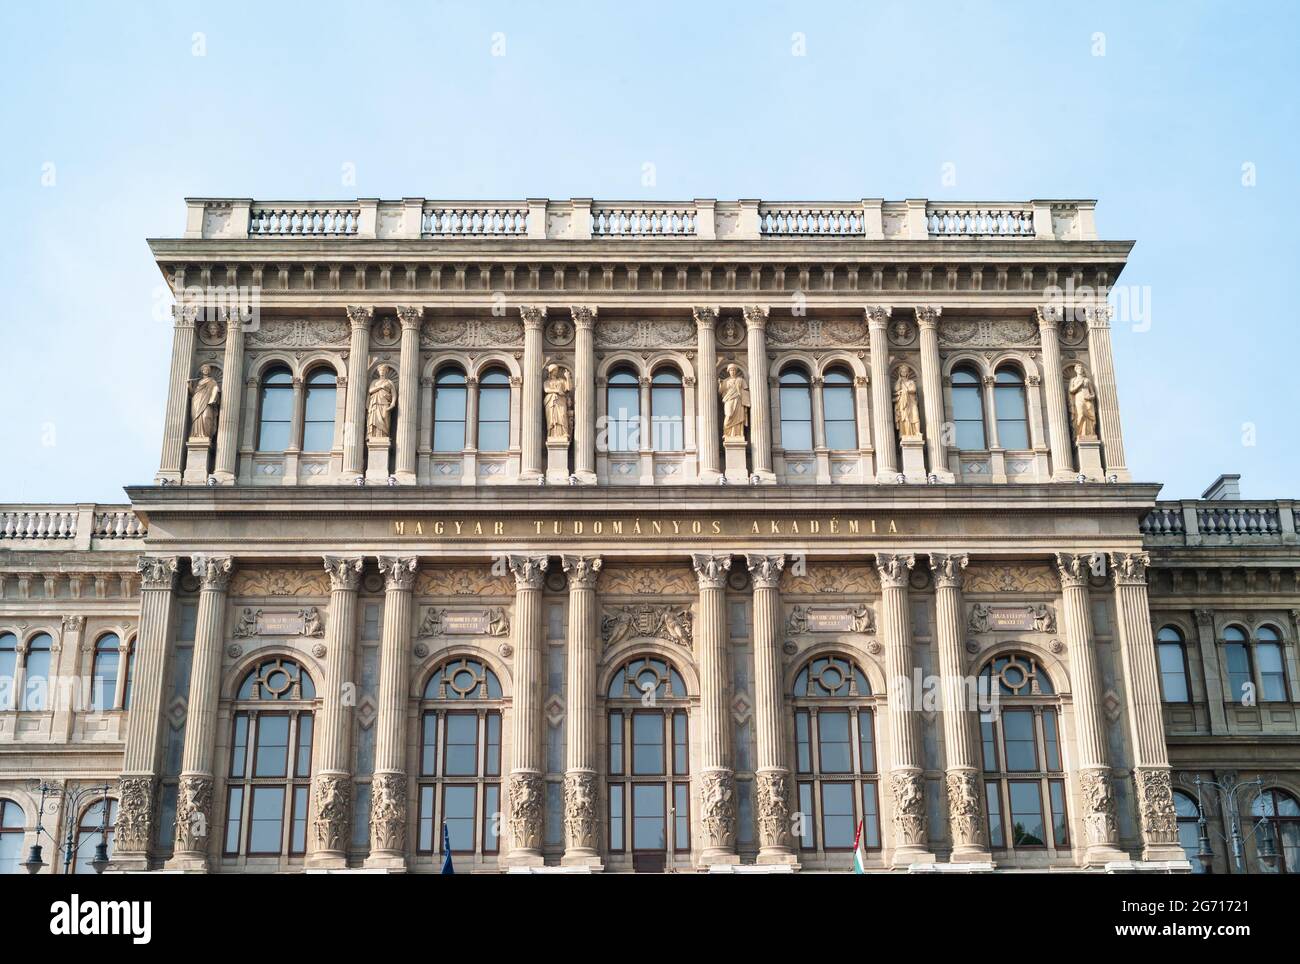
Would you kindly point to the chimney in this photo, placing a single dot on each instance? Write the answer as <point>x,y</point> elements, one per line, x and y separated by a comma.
<point>1223,489</point>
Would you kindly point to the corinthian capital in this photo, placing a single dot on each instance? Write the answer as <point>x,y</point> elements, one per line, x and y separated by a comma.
<point>583,570</point>
<point>533,315</point>
<point>756,315</point>
<point>1130,568</point>
<point>360,315</point>
<point>1073,568</point>
<point>705,315</point>
<point>947,569</point>
<point>399,571</point>
<point>1049,315</point>
<point>213,572</point>
<point>410,315</point>
<point>894,569</point>
<point>528,570</point>
<point>878,315</point>
<point>157,572</point>
<point>185,314</point>
<point>345,571</point>
<point>927,316</point>
<point>584,316</point>
<point>1098,316</point>
<point>711,570</point>
<point>765,570</point>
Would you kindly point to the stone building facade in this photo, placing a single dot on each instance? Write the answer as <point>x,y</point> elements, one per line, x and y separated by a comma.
<point>630,536</point>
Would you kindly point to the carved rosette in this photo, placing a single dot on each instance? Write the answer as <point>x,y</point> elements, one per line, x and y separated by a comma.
<point>1130,568</point>
<point>529,571</point>
<point>1156,805</point>
<point>213,572</point>
<point>894,569</point>
<point>765,570</point>
<point>399,571</point>
<point>533,316</point>
<point>333,811</point>
<point>583,571</point>
<point>388,812</point>
<point>134,828</point>
<point>964,813</point>
<point>193,813</point>
<point>157,572</point>
<point>344,572</point>
<point>908,790</point>
<point>526,810</point>
<point>948,569</point>
<point>718,793</point>
<point>711,570</point>
<point>580,810</point>
<point>1099,805</point>
<point>1073,568</point>
<point>773,789</point>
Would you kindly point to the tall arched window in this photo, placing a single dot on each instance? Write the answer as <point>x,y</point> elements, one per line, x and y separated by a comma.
<point>270,762</point>
<point>460,758</point>
<point>1024,777</point>
<point>8,671</point>
<point>1189,829</point>
<point>12,832</point>
<point>623,410</point>
<point>666,411</point>
<point>1012,410</point>
<point>796,409</point>
<point>1283,813</point>
<point>968,409</point>
<point>1272,672</point>
<point>839,411</point>
<point>494,411</point>
<point>103,674</point>
<point>89,830</point>
<point>835,755</point>
<point>36,680</point>
<point>1172,656</point>
<point>450,394</point>
<point>276,410</point>
<point>1241,676</point>
<point>318,410</point>
<point>649,762</point>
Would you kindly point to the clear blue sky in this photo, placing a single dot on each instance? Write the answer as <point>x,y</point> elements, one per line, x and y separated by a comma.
<point>1014,95</point>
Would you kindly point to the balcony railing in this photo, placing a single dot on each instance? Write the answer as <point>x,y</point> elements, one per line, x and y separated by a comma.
<point>82,526</point>
<point>702,219</point>
<point>1206,522</point>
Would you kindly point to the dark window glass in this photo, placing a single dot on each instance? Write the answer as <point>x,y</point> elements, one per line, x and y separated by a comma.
<point>839,410</point>
<point>839,821</point>
<point>318,411</point>
<point>276,411</point>
<point>666,409</point>
<point>271,757</point>
<point>449,397</point>
<point>1027,814</point>
<point>103,679</point>
<point>1240,681</point>
<point>1173,665</point>
<point>796,409</point>
<point>623,411</point>
<point>648,829</point>
<point>833,744</point>
<point>1018,735</point>
<point>458,813</point>
<point>494,411</point>
<point>8,670</point>
<point>461,750</point>
<point>36,684</point>
<point>266,820</point>
<point>1009,401</point>
<point>1272,676</point>
<point>968,410</point>
<point>647,743</point>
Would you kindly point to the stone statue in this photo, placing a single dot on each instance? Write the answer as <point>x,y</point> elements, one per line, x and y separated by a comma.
<point>558,387</point>
<point>735,405</point>
<point>1083,405</point>
<point>907,417</point>
<point>311,622</point>
<point>203,404</point>
<point>247,625</point>
<point>380,402</point>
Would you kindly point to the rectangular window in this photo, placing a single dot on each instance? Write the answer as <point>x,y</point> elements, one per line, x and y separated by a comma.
<point>1173,674</point>
<point>303,767</point>
<point>1272,679</point>
<point>681,818</point>
<point>458,814</point>
<point>234,817</point>
<point>647,743</point>
<point>491,818</point>
<point>870,816</point>
<point>429,746</point>
<point>1239,677</point>
<point>986,738</point>
<point>1027,814</point>
<point>803,751</point>
<point>425,843</point>
<point>1060,825</point>
<point>492,763</point>
<point>1051,742</point>
<point>866,742</point>
<point>239,745</point>
<point>681,765</point>
<point>272,756</point>
<point>616,817</point>
<point>615,743</point>
<point>993,798</point>
<point>648,828</point>
<point>807,818</point>
<point>1018,740</point>
<point>839,820</point>
<point>460,753</point>
<point>298,834</point>
<point>266,819</point>
<point>834,749</point>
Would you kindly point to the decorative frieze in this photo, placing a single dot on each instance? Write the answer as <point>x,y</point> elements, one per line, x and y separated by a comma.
<point>827,578</point>
<point>983,577</point>
<point>645,333</point>
<point>673,624</point>
<point>971,333</point>
<point>466,581</point>
<point>646,581</point>
<point>471,333</point>
<point>279,582</point>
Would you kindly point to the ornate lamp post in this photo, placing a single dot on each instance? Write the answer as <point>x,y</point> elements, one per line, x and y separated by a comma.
<point>72,806</point>
<point>1236,843</point>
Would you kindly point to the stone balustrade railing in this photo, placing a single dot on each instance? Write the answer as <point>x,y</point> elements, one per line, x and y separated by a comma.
<point>1237,522</point>
<point>82,526</point>
<point>702,219</point>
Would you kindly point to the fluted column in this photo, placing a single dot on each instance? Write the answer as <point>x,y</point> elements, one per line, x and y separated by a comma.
<point>717,780</point>
<point>232,390</point>
<point>1093,762</point>
<point>526,790</point>
<point>1151,772</point>
<point>137,784</point>
<point>1103,370</point>
<point>772,777</point>
<point>706,398</point>
<point>927,319</point>
<point>760,393</point>
<point>408,394</point>
<point>194,793</point>
<point>882,402</point>
<point>388,793</point>
<point>582,762</point>
<point>354,425</point>
<point>178,391</point>
<point>1058,427</point>
<point>584,393</point>
<point>965,793</point>
<point>333,794</point>
<point>531,434</point>
<point>906,775</point>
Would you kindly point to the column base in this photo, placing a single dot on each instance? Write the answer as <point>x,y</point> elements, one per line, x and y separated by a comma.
<point>986,867</point>
<point>1099,855</point>
<point>718,858</point>
<point>129,863</point>
<point>167,478</point>
<point>404,478</point>
<point>187,863</point>
<point>1127,866</point>
<point>1090,460</point>
<point>887,475</point>
<point>708,477</point>
<point>387,860</point>
<point>525,858</point>
<point>945,476</point>
<point>914,458</point>
<point>557,461</point>
<point>377,460</point>
<point>765,476</point>
<point>326,860</point>
<point>773,858</point>
<point>589,860</point>
<point>529,476</point>
<point>586,478</point>
<point>737,468</point>
<point>905,857</point>
<point>1163,852</point>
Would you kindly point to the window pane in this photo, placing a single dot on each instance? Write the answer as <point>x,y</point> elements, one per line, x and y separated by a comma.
<point>1239,681</point>
<point>36,685</point>
<point>1013,429</point>
<point>838,823</point>
<point>318,415</point>
<point>648,817</point>
<point>266,820</point>
<point>866,742</point>
<point>1027,814</point>
<point>990,750</point>
<point>239,745</point>
<point>234,818</point>
<point>806,816</point>
<point>833,745</point>
<point>616,743</point>
<point>461,751</point>
<point>1060,828</point>
<point>458,814</point>
<point>429,745</point>
<point>425,844</point>
<point>304,745</point>
<point>1271,677</point>
<point>298,838</point>
<point>492,766</point>
<point>841,424</point>
<point>870,816</point>
<point>681,817</point>
<point>616,818</point>
<point>680,765</point>
<point>967,413</point>
<point>491,818</point>
<point>623,412</point>
<point>272,757</point>
<point>796,418</point>
<point>1173,677</point>
<point>449,418</point>
<point>1018,737</point>
<point>103,692</point>
<point>1049,736</point>
<point>993,798</point>
<point>803,749</point>
<point>647,743</point>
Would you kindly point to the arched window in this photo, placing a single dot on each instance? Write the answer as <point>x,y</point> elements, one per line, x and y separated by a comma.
<point>103,674</point>
<point>1172,656</point>
<point>835,755</point>
<point>1241,676</point>
<point>649,762</point>
<point>666,410</point>
<point>8,671</point>
<point>623,410</point>
<point>1021,748</point>
<point>796,409</point>
<point>276,410</point>
<point>1189,829</point>
<point>449,397</point>
<point>460,759</point>
<point>968,409</point>
<point>36,681</point>
<point>494,411</point>
<point>1012,410</point>
<point>318,411</point>
<point>12,832</point>
<point>90,828</point>
<point>1272,673</point>
<point>270,762</point>
<point>839,411</point>
<point>1283,813</point>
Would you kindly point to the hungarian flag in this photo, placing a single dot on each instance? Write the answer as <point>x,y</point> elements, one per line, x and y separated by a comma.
<point>859,852</point>
<point>447,868</point>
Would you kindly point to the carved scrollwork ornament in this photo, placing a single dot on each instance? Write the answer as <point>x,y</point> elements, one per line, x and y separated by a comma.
<point>1099,805</point>
<point>718,808</point>
<point>894,569</point>
<point>773,807</point>
<point>157,572</point>
<point>529,571</point>
<point>333,811</point>
<point>193,813</point>
<point>388,812</point>
<point>908,790</point>
<point>213,572</point>
<point>1074,569</point>
<point>134,828</point>
<point>399,571</point>
<point>344,571</point>
<point>1130,568</point>
<point>947,569</point>
<point>1156,805</point>
<point>580,809</point>
<point>583,571</point>
<point>711,570</point>
<point>525,810</point>
<point>964,811</point>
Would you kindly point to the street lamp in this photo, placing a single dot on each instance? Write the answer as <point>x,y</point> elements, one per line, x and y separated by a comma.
<point>73,800</point>
<point>1234,839</point>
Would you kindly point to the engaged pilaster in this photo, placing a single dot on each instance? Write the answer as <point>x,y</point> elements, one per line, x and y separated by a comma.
<point>526,790</point>
<point>882,404</point>
<point>531,434</point>
<point>232,385</point>
<point>581,785</point>
<point>354,426</point>
<point>1058,432</point>
<point>408,393</point>
<point>706,398</point>
<point>178,392</point>
<point>584,393</point>
<point>927,320</point>
<point>760,412</point>
<point>717,780</point>
<point>1103,371</point>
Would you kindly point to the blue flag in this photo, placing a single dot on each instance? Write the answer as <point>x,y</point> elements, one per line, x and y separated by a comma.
<point>447,868</point>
